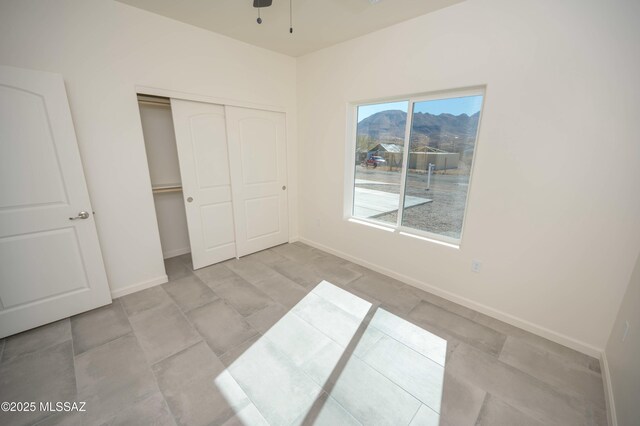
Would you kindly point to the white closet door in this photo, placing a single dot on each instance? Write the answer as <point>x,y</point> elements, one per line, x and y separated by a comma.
<point>204,167</point>
<point>50,266</point>
<point>257,148</point>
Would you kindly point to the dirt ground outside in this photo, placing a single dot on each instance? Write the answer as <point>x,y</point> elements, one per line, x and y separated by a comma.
<point>443,216</point>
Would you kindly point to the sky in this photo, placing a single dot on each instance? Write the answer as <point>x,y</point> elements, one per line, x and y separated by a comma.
<point>467,105</point>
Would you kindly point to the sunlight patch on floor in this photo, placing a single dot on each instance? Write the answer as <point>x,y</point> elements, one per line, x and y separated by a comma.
<point>334,358</point>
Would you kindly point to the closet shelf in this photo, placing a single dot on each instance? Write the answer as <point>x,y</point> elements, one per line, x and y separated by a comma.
<point>159,189</point>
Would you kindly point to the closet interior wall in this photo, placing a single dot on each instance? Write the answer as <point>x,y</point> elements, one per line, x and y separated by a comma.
<point>164,169</point>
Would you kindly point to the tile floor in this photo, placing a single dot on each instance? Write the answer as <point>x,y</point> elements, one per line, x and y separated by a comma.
<point>293,335</point>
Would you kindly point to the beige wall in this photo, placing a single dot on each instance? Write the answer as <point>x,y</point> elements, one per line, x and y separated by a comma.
<point>104,49</point>
<point>553,235</point>
<point>623,357</point>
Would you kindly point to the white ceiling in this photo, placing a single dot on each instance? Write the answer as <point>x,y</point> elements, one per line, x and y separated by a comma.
<point>316,23</point>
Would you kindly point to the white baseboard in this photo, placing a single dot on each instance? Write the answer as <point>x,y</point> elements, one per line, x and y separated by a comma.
<point>177,252</point>
<point>494,313</point>
<point>139,286</point>
<point>608,390</point>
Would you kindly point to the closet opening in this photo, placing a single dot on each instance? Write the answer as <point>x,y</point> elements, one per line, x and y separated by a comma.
<point>218,175</point>
<point>164,170</point>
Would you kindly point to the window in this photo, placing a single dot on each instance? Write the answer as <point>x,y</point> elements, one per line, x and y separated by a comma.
<point>415,175</point>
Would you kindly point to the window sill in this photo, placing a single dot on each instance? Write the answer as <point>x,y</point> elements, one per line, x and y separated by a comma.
<point>408,232</point>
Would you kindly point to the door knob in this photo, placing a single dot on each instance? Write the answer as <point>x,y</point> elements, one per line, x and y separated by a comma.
<point>189,199</point>
<point>284,187</point>
<point>81,215</point>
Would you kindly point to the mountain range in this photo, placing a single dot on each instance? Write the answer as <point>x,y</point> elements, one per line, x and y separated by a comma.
<point>444,131</point>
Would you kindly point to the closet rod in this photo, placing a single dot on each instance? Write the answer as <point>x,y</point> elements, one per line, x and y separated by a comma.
<point>165,190</point>
<point>168,188</point>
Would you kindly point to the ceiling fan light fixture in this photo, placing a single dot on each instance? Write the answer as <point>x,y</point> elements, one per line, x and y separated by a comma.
<point>258,4</point>
<point>290,16</point>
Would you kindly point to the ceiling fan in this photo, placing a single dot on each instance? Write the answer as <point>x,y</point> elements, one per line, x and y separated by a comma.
<point>259,4</point>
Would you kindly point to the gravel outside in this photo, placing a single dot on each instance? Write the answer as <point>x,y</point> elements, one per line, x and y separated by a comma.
<point>443,216</point>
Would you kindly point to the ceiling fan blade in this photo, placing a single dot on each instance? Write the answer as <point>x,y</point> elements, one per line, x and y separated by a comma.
<point>262,3</point>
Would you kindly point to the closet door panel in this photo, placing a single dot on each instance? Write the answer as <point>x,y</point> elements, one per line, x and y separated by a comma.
<point>257,150</point>
<point>209,145</point>
<point>215,225</point>
<point>201,140</point>
<point>259,224</point>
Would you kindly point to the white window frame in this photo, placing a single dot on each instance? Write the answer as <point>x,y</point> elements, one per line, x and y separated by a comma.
<point>350,166</point>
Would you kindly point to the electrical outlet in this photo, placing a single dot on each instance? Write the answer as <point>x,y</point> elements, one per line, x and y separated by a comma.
<point>476,265</point>
<point>626,331</point>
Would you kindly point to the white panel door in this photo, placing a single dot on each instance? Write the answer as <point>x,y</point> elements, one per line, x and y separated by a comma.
<point>50,261</point>
<point>204,167</point>
<point>258,152</point>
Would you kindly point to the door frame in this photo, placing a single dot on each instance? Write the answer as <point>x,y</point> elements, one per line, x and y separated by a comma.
<point>292,185</point>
